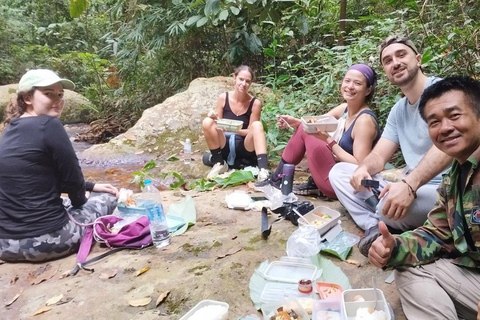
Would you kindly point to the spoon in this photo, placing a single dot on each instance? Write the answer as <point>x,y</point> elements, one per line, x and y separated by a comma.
<point>285,121</point>
<point>300,215</point>
<point>374,283</point>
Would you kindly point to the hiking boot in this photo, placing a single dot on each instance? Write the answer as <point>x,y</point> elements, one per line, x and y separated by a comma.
<point>308,188</point>
<point>217,169</point>
<point>263,175</point>
<point>268,181</point>
<point>366,242</point>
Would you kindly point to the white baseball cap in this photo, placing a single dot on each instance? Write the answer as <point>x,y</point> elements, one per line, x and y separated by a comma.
<point>42,78</point>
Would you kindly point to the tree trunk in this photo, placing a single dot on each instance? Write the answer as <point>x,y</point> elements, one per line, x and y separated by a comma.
<point>343,16</point>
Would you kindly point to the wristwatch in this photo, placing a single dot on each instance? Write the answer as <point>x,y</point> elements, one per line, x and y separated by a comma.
<point>331,144</point>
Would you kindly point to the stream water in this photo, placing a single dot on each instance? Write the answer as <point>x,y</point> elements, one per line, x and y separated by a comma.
<point>117,172</point>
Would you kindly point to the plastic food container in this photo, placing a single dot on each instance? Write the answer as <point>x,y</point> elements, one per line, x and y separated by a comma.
<point>350,306</point>
<point>327,309</point>
<point>206,303</point>
<point>290,272</point>
<point>329,291</point>
<point>322,218</point>
<point>230,125</point>
<point>312,124</point>
<point>139,209</point>
<point>271,310</point>
<point>278,291</point>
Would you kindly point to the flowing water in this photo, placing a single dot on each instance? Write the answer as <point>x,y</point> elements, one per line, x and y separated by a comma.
<point>117,172</point>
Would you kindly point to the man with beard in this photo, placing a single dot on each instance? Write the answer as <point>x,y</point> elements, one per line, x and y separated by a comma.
<point>438,264</point>
<point>404,204</point>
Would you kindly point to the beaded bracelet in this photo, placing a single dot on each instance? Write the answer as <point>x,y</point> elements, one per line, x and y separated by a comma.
<point>411,191</point>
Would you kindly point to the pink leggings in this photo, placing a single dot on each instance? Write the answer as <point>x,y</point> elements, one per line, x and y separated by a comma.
<point>320,158</point>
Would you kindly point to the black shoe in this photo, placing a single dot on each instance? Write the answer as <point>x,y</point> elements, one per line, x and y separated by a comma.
<point>308,188</point>
<point>268,181</point>
<point>366,242</point>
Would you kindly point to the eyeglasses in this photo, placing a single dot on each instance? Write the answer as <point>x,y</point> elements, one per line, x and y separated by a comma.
<point>397,39</point>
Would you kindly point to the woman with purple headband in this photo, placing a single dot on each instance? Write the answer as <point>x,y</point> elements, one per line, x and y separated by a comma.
<point>360,133</point>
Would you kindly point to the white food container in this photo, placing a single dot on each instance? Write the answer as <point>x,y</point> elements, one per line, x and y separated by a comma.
<point>329,308</point>
<point>205,303</point>
<point>230,125</point>
<point>312,124</point>
<point>350,307</point>
<point>290,272</point>
<point>322,224</point>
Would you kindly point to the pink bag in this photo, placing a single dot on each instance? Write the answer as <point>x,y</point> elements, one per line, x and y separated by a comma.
<point>135,235</point>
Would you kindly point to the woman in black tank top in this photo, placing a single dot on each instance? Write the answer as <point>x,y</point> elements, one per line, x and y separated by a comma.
<point>249,142</point>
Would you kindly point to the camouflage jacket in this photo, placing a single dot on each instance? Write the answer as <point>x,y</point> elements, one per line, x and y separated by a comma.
<point>443,234</point>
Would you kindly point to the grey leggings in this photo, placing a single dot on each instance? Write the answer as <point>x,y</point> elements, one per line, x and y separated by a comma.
<point>61,242</point>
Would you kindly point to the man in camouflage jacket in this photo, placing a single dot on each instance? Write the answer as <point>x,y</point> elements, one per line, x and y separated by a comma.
<point>438,264</point>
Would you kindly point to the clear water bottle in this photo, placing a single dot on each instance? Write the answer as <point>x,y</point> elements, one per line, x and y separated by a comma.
<point>158,225</point>
<point>148,188</point>
<point>187,152</point>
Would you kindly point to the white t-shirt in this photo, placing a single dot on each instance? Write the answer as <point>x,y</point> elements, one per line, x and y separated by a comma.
<point>406,127</point>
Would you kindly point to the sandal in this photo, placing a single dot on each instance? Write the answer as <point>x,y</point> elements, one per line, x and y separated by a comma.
<point>308,188</point>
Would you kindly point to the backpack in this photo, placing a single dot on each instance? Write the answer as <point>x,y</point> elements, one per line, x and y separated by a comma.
<point>134,235</point>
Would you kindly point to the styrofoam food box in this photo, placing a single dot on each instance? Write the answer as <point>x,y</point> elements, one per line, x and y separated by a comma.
<point>312,216</point>
<point>230,125</point>
<point>205,303</point>
<point>350,307</point>
<point>322,123</point>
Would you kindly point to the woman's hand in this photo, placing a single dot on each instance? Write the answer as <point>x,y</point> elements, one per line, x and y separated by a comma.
<point>104,187</point>
<point>322,135</point>
<point>284,121</point>
<point>213,115</point>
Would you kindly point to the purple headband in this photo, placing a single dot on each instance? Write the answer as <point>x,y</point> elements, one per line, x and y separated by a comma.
<point>367,72</point>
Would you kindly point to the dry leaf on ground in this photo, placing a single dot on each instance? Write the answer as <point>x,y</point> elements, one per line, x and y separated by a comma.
<point>161,297</point>
<point>229,253</point>
<point>13,280</point>
<point>54,300</point>
<point>354,262</point>
<point>13,299</point>
<point>108,274</point>
<point>139,302</point>
<point>42,310</point>
<point>142,271</point>
<point>41,274</point>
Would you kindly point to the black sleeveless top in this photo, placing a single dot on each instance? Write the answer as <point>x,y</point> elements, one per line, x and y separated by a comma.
<point>228,113</point>
<point>346,141</point>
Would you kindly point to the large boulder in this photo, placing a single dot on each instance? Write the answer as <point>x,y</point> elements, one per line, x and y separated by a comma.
<point>77,107</point>
<point>162,129</point>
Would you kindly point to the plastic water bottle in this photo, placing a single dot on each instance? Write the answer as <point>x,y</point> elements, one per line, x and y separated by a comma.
<point>158,225</point>
<point>187,152</point>
<point>287,179</point>
<point>156,215</point>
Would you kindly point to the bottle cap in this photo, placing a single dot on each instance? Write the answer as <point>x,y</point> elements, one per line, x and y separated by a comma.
<point>288,169</point>
<point>187,141</point>
<point>148,181</point>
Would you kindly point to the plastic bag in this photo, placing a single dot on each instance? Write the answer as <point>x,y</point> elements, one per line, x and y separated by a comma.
<point>341,245</point>
<point>276,197</point>
<point>304,242</point>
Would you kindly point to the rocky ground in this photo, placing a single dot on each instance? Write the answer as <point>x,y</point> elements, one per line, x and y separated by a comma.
<point>195,266</point>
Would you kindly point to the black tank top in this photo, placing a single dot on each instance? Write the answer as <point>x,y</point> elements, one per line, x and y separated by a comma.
<point>228,113</point>
<point>346,141</point>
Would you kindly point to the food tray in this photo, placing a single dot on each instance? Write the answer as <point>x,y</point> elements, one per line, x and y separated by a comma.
<point>329,291</point>
<point>205,303</point>
<point>350,307</point>
<point>322,223</point>
<point>139,209</point>
<point>230,125</point>
<point>312,124</point>
<point>276,291</point>
<point>291,272</point>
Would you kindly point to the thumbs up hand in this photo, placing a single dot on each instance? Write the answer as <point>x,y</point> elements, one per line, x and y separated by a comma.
<point>382,247</point>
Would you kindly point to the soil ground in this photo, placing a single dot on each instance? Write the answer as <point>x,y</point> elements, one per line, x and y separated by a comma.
<point>189,269</point>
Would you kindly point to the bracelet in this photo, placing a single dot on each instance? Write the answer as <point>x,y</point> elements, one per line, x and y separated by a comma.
<point>331,144</point>
<point>410,189</point>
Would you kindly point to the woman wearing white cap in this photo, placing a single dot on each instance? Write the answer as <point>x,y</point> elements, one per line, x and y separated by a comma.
<point>37,164</point>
